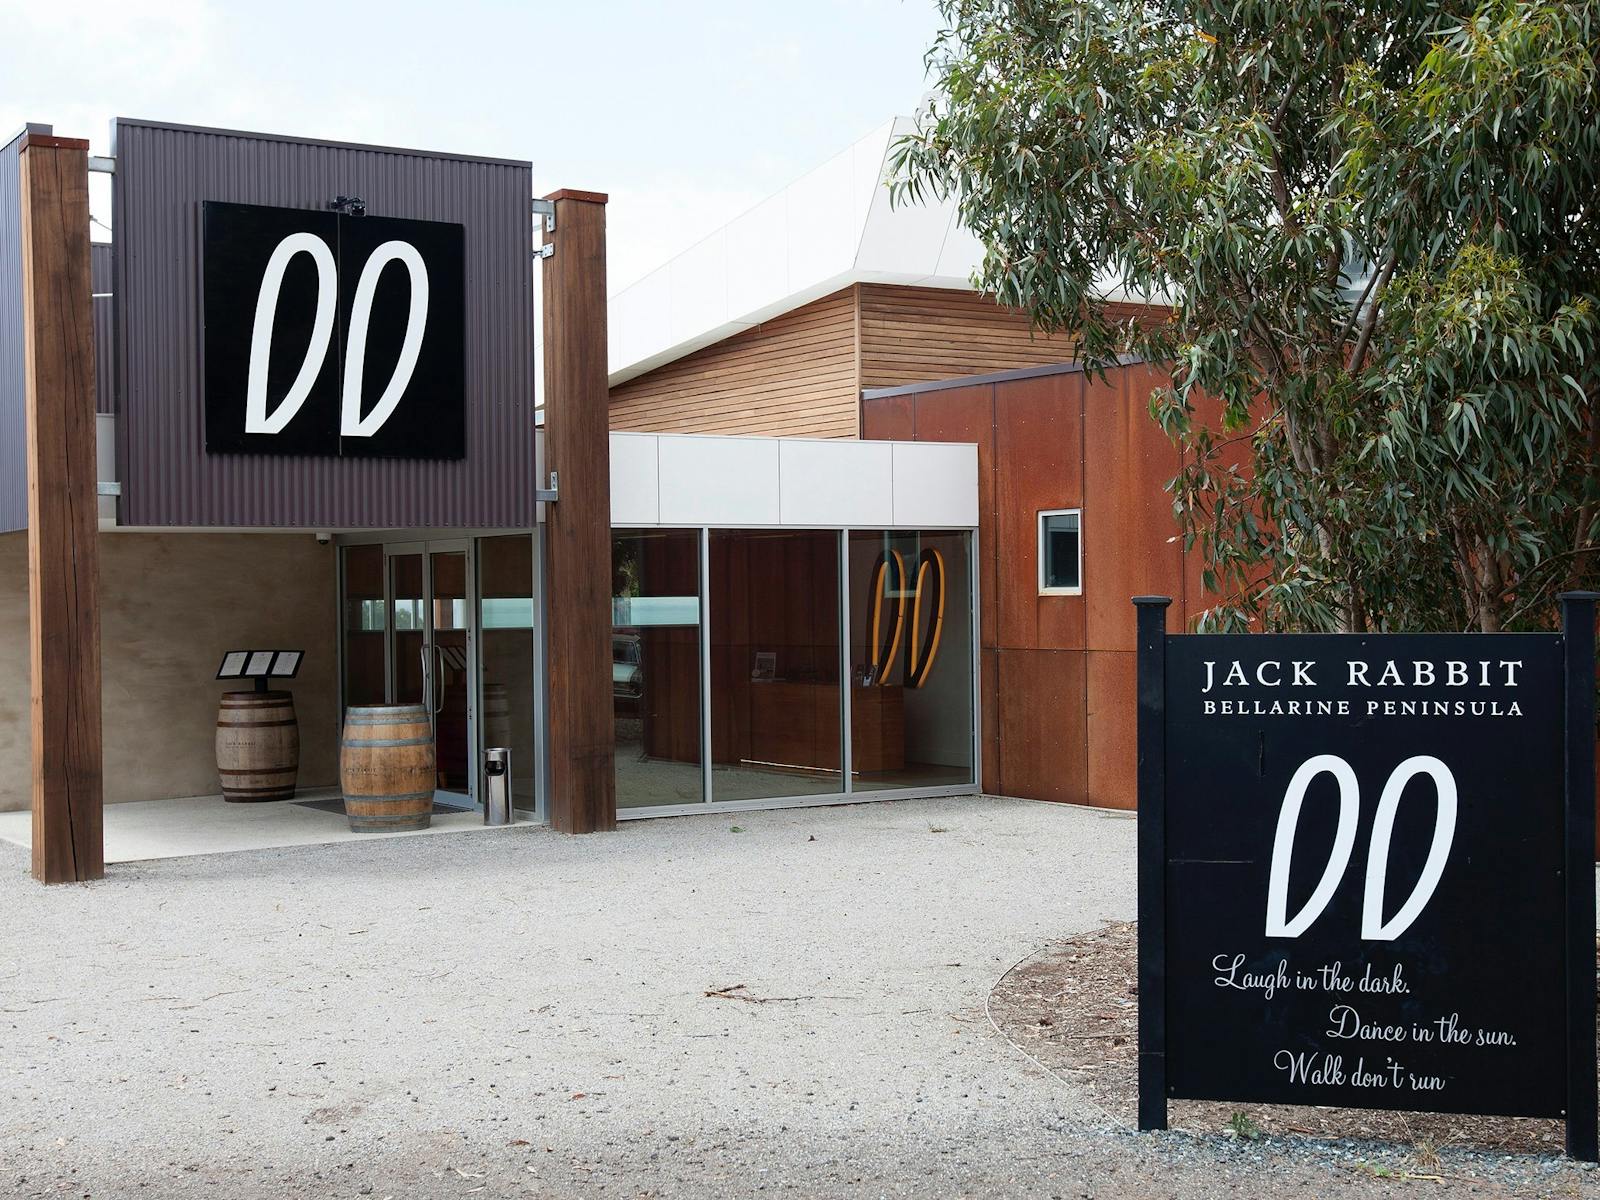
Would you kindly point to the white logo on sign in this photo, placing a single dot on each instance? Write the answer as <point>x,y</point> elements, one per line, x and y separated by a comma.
<point>351,422</point>
<point>1283,845</point>
<point>1373,927</point>
<point>256,418</point>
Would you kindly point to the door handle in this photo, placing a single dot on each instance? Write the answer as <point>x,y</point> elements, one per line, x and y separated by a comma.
<point>438,690</point>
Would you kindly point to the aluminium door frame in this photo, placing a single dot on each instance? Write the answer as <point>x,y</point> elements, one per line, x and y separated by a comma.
<point>426,548</point>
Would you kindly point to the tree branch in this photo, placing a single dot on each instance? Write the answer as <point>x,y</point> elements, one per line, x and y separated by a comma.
<point>1355,311</point>
<point>1358,353</point>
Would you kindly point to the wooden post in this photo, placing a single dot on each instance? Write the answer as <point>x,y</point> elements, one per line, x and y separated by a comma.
<point>583,791</point>
<point>1152,780</point>
<point>1577,632</point>
<point>63,523</point>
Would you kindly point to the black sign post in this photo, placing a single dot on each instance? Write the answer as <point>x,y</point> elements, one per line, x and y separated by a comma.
<point>1366,870</point>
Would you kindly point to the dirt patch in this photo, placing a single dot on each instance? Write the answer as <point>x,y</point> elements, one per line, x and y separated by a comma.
<point>1075,1007</point>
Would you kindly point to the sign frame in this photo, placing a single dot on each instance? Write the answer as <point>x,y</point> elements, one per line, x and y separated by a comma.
<point>352,286</point>
<point>1577,737</point>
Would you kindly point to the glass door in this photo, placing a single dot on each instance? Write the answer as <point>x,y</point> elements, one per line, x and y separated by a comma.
<point>451,673</point>
<point>430,656</point>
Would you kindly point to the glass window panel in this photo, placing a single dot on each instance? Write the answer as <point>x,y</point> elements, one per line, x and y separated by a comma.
<point>1058,538</point>
<point>410,618</point>
<point>776,728</point>
<point>655,666</point>
<point>364,681</point>
<point>507,612</point>
<point>911,633</point>
<point>452,679</point>
<point>638,611</point>
<point>508,657</point>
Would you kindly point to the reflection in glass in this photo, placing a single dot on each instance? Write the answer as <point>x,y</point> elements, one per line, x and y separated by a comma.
<point>451,678</point>
<point>364,681</point>
<point>405,581</point>
<point>775,698</point>
<point>911,659</point>
<point>508,656</point>
<point>655,666</point>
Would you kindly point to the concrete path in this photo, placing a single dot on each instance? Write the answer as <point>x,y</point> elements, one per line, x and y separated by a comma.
<point>520,1013</point>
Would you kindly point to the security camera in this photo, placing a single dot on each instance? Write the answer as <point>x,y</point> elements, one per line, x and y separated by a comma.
<point>323,537</point>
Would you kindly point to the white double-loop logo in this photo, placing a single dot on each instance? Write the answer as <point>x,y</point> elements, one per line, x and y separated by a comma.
<point>1373,927</point>
<point>351,423</point>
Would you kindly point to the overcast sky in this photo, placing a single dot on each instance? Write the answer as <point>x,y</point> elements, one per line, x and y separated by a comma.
<point>686,113</point>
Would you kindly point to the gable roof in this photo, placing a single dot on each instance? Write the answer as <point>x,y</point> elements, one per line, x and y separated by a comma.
<point>832,227</point>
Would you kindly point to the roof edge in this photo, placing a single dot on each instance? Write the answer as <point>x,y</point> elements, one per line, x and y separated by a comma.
<point>252,135</point>
<point>961,381</point>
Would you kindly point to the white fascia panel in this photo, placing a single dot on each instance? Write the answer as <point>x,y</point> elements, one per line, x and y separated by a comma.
<point>636,319</point>
<point>698,288</point>
<point>935,484</point>
<point>821,240</point>
<point>758,257</point>
<point>870,164</point>
<point>835,482</point>
<point>902,242</point>
<point>635,479</point>
<point>718,480</point>
<point>961,255</point>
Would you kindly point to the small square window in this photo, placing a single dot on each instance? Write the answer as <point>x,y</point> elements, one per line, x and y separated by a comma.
<point>1060,553</point>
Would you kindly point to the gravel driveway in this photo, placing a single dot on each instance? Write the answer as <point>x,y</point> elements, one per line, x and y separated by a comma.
<point>525,1014</point>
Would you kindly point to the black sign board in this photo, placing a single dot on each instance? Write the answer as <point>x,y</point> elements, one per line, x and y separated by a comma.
<point>332,334</point>
<point>1366,870</point>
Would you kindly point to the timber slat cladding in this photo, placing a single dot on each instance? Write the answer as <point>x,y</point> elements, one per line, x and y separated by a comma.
<point>916,335</point>
<point>793,376</point>
<point>63,552</point>
<point>799,374</point>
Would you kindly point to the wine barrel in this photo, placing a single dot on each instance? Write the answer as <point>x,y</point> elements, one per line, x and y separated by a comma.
<point>258,746</point>
<point>386,764</point>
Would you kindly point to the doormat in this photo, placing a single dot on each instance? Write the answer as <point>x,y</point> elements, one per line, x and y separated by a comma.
<point>337,806</point>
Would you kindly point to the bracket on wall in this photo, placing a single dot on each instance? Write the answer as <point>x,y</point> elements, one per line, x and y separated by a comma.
<point>548,495</point>
<point>547,210</point>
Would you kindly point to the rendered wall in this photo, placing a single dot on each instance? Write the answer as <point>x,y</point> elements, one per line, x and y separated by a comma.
<point>171,604</point>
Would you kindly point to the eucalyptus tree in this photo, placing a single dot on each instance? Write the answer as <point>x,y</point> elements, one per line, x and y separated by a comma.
<point>1375,222</point>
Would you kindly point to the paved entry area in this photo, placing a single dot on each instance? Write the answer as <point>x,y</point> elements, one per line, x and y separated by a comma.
<point>784,1003</point>
<point>146,829</point>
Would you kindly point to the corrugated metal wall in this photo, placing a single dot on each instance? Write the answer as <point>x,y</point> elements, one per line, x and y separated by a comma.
<point>163,174</point>
<point>13,415</point>
<point>105,390</point>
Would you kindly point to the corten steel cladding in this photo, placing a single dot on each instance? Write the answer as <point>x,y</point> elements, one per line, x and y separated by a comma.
<point>386,767</point>
<point>258,746</point>
<point>1364,876</point>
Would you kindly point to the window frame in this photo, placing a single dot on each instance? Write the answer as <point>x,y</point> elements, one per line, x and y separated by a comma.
<point>1040,516</point>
